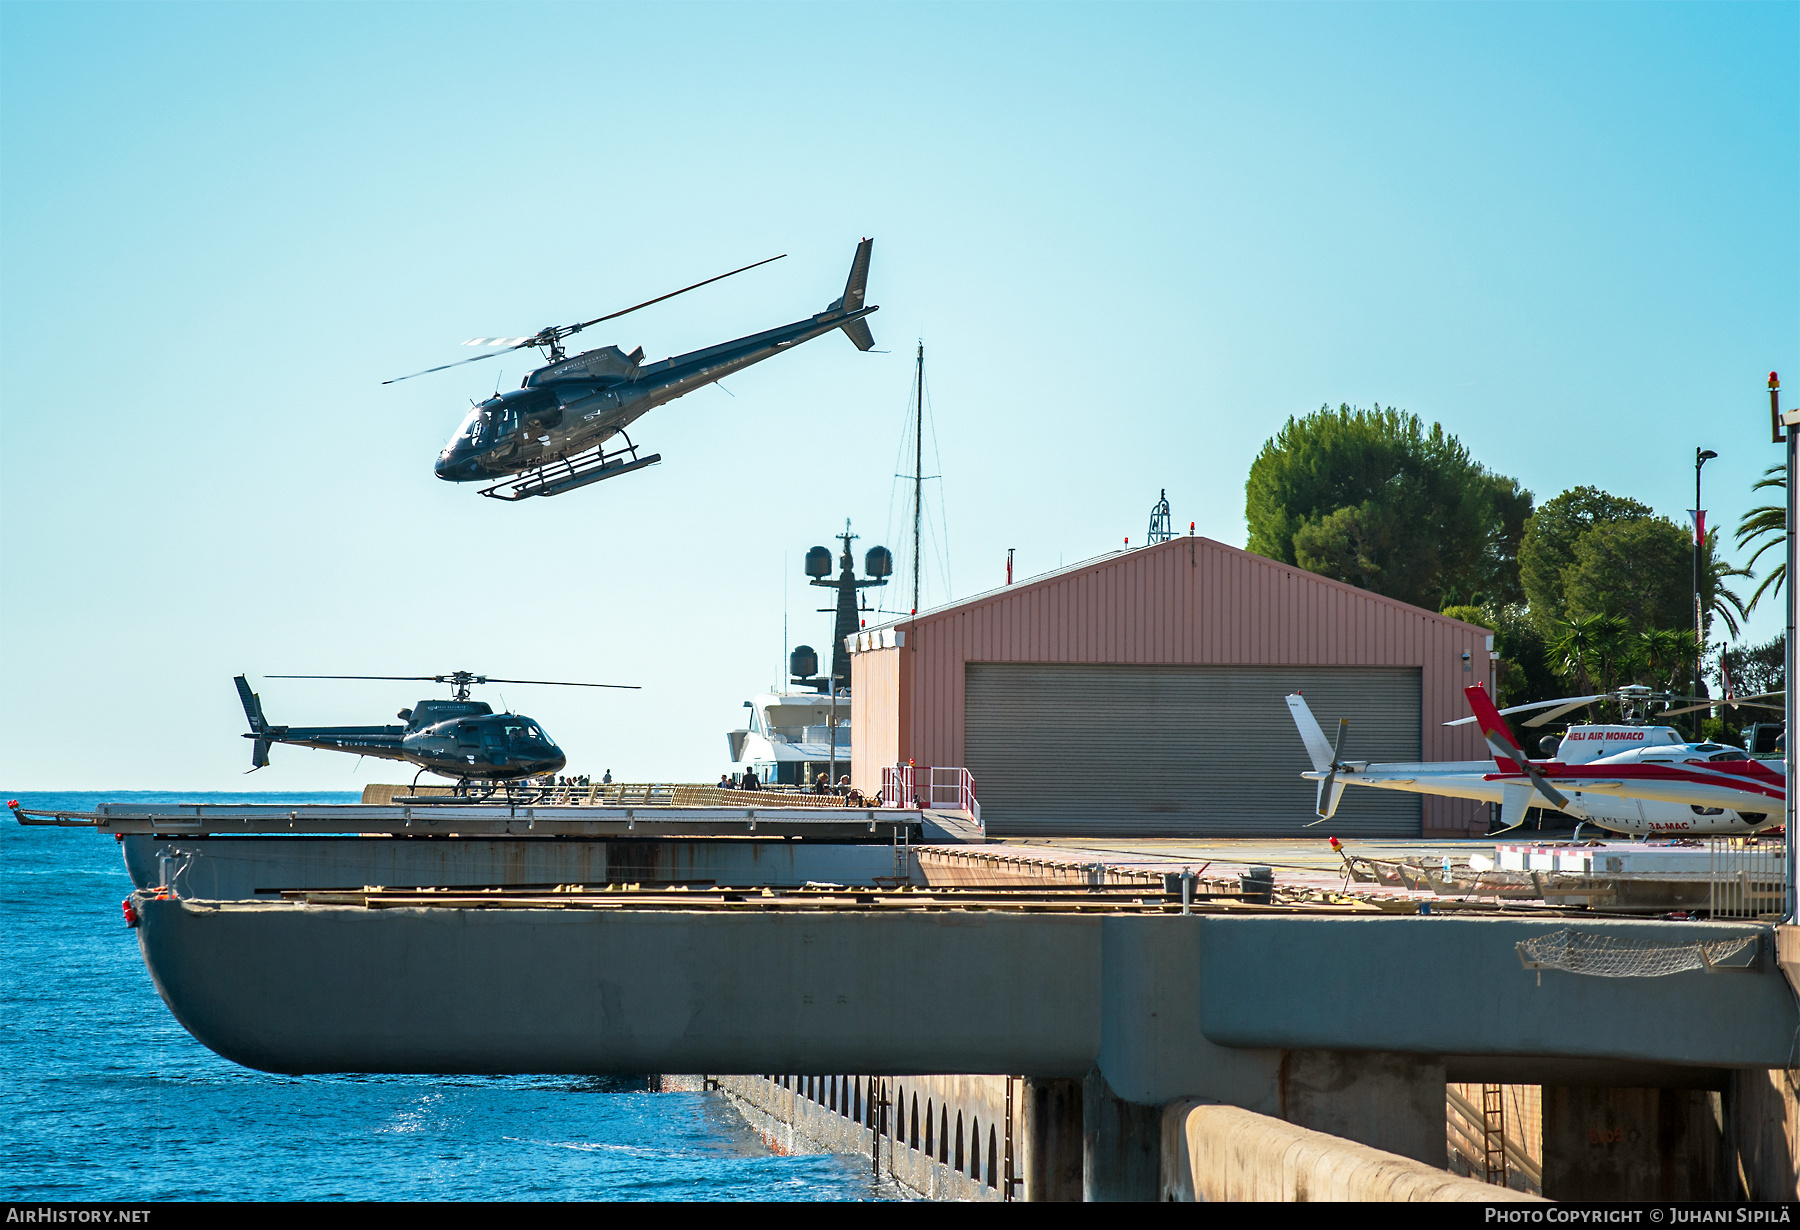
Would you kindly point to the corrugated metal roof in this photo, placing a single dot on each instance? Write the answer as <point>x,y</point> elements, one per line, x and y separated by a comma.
<point>1031,583</point>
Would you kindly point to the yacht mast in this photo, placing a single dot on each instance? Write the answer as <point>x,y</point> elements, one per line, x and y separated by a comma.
<point>918,474</point>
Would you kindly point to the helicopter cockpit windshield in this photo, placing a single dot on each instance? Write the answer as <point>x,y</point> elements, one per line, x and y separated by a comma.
<point>473,428</point>
<point>525,732</point>
<point>486,425</point>
<point>480,433</point>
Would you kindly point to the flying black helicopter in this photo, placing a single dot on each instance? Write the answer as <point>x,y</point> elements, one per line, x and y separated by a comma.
<point>552,431</point>
<point>459,737</point>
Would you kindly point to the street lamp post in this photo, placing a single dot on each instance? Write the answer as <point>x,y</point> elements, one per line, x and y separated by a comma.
<point>1701,457</point>
<point>1783,427</point>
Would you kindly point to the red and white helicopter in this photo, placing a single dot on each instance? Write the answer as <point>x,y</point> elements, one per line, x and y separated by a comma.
<point>1632,778</point>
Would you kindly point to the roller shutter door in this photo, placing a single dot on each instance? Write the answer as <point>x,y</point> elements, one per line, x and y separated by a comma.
<point>1180,751</point>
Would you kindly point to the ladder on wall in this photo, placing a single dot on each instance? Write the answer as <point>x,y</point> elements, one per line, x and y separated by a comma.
<point>1493,1133</point>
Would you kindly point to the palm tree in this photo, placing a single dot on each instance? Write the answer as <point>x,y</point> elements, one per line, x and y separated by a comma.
<point>1666,653</point>
<point>1612,646</point>
<point>1572,648</point>
<point>1721,600</point>
<point>1586,650</point>
<point>1765,526</point>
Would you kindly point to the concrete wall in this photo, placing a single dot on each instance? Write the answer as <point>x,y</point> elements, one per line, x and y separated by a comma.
<point>1167,1006</point>
<point>1145,1010</point>
<point>1763,1125</point>
<point>833,1115</point>
<point>1190,601</point>
<point>1606,1143</point>
<point>243,868</point>
<point>1390,1102</point>
<point>1212,1152</point>
<point>1429,991</point>
<point>1633,1144</point>
<point>293,988</point>
<point>926,1117</point>
<point>1732,1142</point>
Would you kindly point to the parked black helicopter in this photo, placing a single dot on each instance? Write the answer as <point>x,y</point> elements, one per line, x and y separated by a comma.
<point>459,737</point>
<point>552,430</point>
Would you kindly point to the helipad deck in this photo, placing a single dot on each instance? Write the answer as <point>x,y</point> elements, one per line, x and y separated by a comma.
<point>487,820</point>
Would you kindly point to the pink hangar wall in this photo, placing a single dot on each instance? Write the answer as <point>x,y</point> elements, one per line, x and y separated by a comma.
<point>1190,601</point>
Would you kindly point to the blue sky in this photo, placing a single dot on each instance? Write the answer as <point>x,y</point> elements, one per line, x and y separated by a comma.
<point>1134,240</point>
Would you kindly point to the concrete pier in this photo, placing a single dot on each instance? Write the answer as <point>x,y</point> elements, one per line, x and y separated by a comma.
<point>1214,1152</point>
<point>1165,1005</point>
<point>1081,1006</point>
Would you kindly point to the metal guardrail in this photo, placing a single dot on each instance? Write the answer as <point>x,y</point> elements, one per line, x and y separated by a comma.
<point>1748,877</point>
<point>931,787</point>
<point>633,794</point>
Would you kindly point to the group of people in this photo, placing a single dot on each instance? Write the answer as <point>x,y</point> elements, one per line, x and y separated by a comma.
<point>573,779</point>
<point>821,785</point>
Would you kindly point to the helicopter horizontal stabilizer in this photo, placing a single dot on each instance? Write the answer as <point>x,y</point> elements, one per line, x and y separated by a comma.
<point>1331,793</point>
<point>1515,800</point>
<point>858,331</point>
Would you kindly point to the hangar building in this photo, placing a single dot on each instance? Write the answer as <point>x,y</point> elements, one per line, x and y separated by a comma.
<point>1143,692</point>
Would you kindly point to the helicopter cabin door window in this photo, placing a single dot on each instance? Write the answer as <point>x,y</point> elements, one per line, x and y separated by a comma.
<point>540,407</point>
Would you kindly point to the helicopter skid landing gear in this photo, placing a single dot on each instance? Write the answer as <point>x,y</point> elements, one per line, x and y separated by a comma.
<point>568,473</point>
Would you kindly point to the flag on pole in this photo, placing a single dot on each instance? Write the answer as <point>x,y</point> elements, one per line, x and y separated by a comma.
<point>1725,678</point>
<point>1697,518</point>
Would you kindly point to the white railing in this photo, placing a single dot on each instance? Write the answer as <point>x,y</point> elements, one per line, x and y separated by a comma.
<point>935,787</point>
<point>1746,877</point>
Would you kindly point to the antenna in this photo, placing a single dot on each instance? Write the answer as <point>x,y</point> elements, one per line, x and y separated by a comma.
<point>915,600</point>
<point>918,470</point>
<point>1159,521</point>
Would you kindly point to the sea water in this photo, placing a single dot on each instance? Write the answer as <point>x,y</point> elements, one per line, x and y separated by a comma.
<point>103,1095</point>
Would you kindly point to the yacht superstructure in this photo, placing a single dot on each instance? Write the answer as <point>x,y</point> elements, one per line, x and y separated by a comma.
<point>793,737</point>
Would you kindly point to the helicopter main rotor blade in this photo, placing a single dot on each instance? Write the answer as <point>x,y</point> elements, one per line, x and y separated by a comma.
<point>1720,703</point>
<point>472,680</point>
<point>1551,716</point>
<point>1568,703</point>
<point>444,366</point>
<point>549,337</point>
<point>684,290</point>
<point>563,683</point>
<point>404,678</point>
